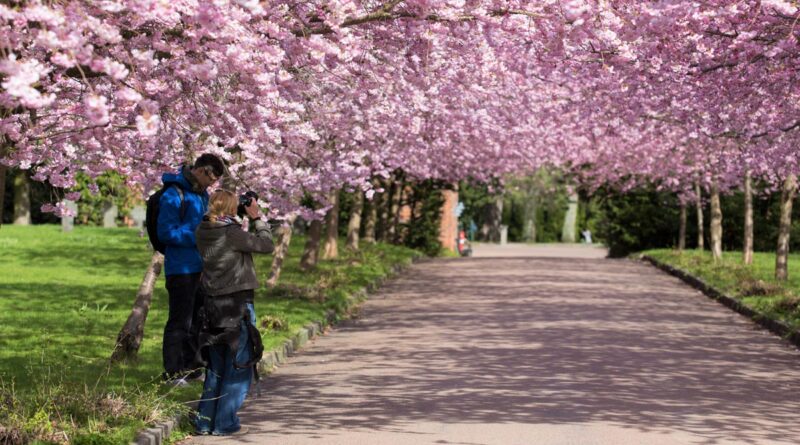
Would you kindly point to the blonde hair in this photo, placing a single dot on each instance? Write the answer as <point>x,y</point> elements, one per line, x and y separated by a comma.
<point>222,203</point>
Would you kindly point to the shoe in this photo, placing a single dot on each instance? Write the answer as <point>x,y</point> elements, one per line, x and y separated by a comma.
<point>196,375</point>
<point>240,432</point>
<point>201,433</point>
<point>178,382</point>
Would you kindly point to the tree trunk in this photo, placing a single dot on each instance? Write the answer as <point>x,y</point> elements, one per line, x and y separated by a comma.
<point>383,204</point>
<point>748,219</point>
<point>782,256</point>
<point>570,220</point>
<point>493,216</point>
<point>22,199</point>
<point>394,211</point>
<point>3,170</point>
<point>354,225</point>
<point>716,223</point>
<point>130,337</point>
<point>311,250</point>
<point>682,230</point>
<point>402,201</point>
<point>371,220</point>
<point>283,238</point>
<point>330,247</point>
<point>529,219</point>
<point>700,224</point>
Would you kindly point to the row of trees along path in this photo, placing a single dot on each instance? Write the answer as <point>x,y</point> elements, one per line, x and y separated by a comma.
<point>308,97</point>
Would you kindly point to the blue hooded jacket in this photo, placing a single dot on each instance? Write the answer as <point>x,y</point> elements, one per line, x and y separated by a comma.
<point>177,234</point>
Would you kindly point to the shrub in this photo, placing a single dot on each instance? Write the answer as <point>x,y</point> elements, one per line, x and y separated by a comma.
<point>638,220</point>
<point>422,231</point>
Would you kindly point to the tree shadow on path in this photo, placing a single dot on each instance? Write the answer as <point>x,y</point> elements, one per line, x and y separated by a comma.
<point>540,341</point>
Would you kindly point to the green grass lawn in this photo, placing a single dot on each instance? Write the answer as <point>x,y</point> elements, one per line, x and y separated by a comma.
<point>64,297</point>
<point>753,285</point>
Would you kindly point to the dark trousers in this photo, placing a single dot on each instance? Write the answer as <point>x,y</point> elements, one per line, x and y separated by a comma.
<point>180,333</point>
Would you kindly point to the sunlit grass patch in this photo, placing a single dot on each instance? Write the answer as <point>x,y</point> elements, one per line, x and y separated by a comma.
<point>64,297</point>
<point>754,285</point>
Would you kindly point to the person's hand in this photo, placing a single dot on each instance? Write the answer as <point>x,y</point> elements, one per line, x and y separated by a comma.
<point>252,210</point>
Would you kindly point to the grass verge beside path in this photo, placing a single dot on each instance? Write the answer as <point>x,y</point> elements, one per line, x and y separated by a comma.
<point>64,297</point>
<point>754,285</point>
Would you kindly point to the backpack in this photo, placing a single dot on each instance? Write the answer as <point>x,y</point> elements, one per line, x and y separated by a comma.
<point>151,215</point>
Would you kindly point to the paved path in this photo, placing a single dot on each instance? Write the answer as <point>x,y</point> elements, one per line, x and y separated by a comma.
<point>540,350</point>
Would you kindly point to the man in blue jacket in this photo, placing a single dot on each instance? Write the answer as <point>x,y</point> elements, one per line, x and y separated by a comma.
<point>181,209</point>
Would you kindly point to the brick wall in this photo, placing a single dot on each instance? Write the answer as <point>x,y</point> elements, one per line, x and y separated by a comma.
<point>447,230</point>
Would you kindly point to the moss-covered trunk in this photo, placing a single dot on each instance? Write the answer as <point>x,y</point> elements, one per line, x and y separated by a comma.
<point>782,254</point>
<point>130,337</point>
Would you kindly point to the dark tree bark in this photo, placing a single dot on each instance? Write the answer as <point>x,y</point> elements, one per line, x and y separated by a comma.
<point>682,230</point>
<point>384,204</point>
<point>3,170</point>
<point>330,247</point>
<point>311,250</point>
<point>130,337</point>
<point>493,216</point>
<point>402,200</point>
<point>283,236</point>
<point>782,254</point>
<point>394,211</point>
<point>354,225</point>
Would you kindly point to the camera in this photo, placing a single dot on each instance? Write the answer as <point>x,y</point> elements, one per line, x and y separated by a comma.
<point>244,201</point>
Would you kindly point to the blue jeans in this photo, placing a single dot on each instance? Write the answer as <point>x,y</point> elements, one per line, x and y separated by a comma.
<point>226,386</point>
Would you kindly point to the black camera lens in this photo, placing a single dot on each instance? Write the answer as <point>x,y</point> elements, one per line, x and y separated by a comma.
<point>245,200</point>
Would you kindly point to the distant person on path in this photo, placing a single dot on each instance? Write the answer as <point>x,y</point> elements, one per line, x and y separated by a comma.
<point>473,228</point>
<point>181,209</point>
<point>587,236</point>
<point>229,339</point>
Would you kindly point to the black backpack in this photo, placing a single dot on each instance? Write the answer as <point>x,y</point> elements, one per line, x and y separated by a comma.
<point>151,215</point>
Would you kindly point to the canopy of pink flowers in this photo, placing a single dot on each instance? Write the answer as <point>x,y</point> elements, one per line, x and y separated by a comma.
<point>307,96</point>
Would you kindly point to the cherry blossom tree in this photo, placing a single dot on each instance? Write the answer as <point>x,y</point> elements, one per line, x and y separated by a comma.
<point>307,98</point>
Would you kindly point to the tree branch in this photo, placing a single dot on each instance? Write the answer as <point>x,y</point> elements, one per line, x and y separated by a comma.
<point>383,15</point>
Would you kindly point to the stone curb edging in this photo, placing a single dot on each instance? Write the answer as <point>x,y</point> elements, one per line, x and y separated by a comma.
<point>155,435</point>
<point>775,326</point>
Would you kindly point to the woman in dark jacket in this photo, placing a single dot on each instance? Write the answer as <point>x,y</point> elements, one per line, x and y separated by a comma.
<point>229,339</point>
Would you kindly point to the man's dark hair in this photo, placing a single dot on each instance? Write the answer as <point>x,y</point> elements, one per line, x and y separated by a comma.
<point>213,161</point>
